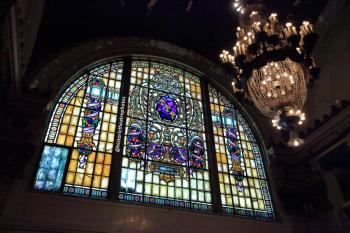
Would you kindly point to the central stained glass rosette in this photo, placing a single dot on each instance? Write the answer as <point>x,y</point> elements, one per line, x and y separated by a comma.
<point>167,108</point>
<point>170,149</point>
<point>164,159</point>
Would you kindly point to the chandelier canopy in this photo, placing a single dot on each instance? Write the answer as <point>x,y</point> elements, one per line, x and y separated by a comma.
<point>272,63</point>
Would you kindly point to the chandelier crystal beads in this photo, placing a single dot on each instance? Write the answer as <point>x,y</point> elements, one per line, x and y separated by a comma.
<point>272,63</point>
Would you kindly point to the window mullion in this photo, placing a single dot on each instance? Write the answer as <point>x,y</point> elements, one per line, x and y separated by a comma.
<point>213,169</point>
<point>117,154</point>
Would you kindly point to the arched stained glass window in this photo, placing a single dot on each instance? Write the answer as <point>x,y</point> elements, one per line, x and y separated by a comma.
<point>135,131</point>
<point>165,158</point>
<point>243,182</point>
<point>81,130</point>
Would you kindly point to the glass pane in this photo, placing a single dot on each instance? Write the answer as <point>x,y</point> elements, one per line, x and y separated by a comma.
<point>51,168</point>
<point>165,159</point>
<point>239,161</point>
<point>84,119</point>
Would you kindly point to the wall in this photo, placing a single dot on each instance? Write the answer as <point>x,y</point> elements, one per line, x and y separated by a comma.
<point>332,56</point>
<point>30,211</point>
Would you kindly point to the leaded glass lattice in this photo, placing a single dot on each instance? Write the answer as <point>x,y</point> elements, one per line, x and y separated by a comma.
<point>243,183</point>
<point>84,121</point>
<point>165,156</point>
<point>157,143</point>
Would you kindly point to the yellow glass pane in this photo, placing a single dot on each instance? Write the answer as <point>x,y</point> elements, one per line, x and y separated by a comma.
<point>110,137</point>
<point>102,146</point>
<point>72,165</point>
<point>76,111</point>
<point>155,190</point>
<point>81,93</point>
<point>248,203</point>
<point>212,106</point>
<point>78,101</point>
<point>254,173</point>
<point>96,182</point>
<point>261,205</point>
<point>106,170</point>
<point>70,177</point>
<point>89,168</point>
<point>217,109</point>
<point>71,130</point>
<point>108,107</point>
<point>111,82</point>
<point>87,181</point>
<point>104,182</point>
<point>98,169</point>
<point>106,117</point>
<point>104,126</point>
<point>228,200</point>
<point>60,139</point>
<point>221,178</point>
<point>66,119</point>
<point>63,129</point>
<point>111,128</point>
<point>255,204</point>
<point>74,120</point>
<point>69,110</point>
<point>114,108</point>
<point>79,179</point>
<point>253,193</point>
<point>75,154</point>
<point>113,118</point>
<point>72,101</point>
<point>108,159</point>
<point>109,147</point>
<point>69,141</point>
<point>224,158</point>
<point>91,157</point>
<point>100,157</point>
<point>103,136</point>
<point>193,88</point>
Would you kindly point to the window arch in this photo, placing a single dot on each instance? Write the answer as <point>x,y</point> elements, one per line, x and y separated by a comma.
<point>141,130</point>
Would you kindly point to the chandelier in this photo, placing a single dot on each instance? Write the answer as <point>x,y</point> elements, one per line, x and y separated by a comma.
<point>273,65</point>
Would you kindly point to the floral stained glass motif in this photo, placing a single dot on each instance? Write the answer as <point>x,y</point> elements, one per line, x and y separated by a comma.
<point>165,159</point>
<point>243,183</point>
<point>84,119</point>
<point>164,155</point>
<point>51,168</point>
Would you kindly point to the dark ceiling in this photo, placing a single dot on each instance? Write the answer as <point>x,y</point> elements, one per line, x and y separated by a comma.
<point>204,26</point>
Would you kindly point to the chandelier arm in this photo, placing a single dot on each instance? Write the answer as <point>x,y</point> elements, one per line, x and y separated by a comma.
<point>272,63</point>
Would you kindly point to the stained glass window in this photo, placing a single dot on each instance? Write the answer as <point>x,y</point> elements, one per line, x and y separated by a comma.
<point>242,179</point>
<point>156,140</point>
<point>84,122</point>
<point>51,168</point>
<point>165,156</point>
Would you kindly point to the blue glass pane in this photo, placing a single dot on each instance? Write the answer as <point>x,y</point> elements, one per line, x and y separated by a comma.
<point>51,168</point>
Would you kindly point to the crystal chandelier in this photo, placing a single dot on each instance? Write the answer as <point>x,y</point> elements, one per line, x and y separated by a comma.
<point>273,66</point>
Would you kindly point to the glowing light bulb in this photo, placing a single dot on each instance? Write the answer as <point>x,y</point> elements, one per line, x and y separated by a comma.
<point>296,143</point>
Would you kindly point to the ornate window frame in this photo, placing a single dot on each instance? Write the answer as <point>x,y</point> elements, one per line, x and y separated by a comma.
<point>205,82</point>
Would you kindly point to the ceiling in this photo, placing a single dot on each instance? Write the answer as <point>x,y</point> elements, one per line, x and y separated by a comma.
<point>204,26</point>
